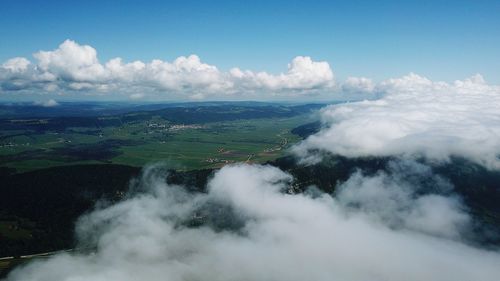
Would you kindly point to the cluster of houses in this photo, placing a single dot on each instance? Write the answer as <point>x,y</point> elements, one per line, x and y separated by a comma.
<point>217,160</point>
<point>177,127</point>
<point>10,144</point>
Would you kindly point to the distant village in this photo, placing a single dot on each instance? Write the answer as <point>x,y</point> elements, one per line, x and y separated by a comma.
<point>177,127</point>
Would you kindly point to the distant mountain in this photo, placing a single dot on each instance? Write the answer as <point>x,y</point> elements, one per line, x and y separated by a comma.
<point>40,119</point>
<point>88,109</point>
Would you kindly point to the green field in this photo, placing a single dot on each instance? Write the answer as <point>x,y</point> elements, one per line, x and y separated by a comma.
<point>184,147</point>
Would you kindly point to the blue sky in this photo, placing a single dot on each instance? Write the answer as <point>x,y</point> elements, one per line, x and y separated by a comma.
<point>442,40</point>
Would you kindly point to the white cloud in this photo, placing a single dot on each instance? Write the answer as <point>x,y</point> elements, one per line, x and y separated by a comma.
<point>186,74</point>
<point>76,67</point>
<point>416,117</point>
<point>391,197</point>
<point>47,103</point>
<point>358,85</point>
<point>16,65</point>
<point>71,62</point>
<point>137,96</point>
<point>282,237</point>
<point>303,74</point>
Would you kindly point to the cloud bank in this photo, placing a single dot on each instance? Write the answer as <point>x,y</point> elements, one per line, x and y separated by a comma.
<point>75,67</point>
<point>415,117</point>
<point>281,237</point>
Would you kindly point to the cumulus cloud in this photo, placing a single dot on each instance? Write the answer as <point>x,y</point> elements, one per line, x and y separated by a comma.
<point>303,74</point>
<point>279,237</point>
<point>75,67</point>
<point>16,65</point>
<point>416,117</point>
<point>71,62</point>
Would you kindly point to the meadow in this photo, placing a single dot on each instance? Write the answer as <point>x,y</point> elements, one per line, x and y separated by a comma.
<point>136,143</point>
